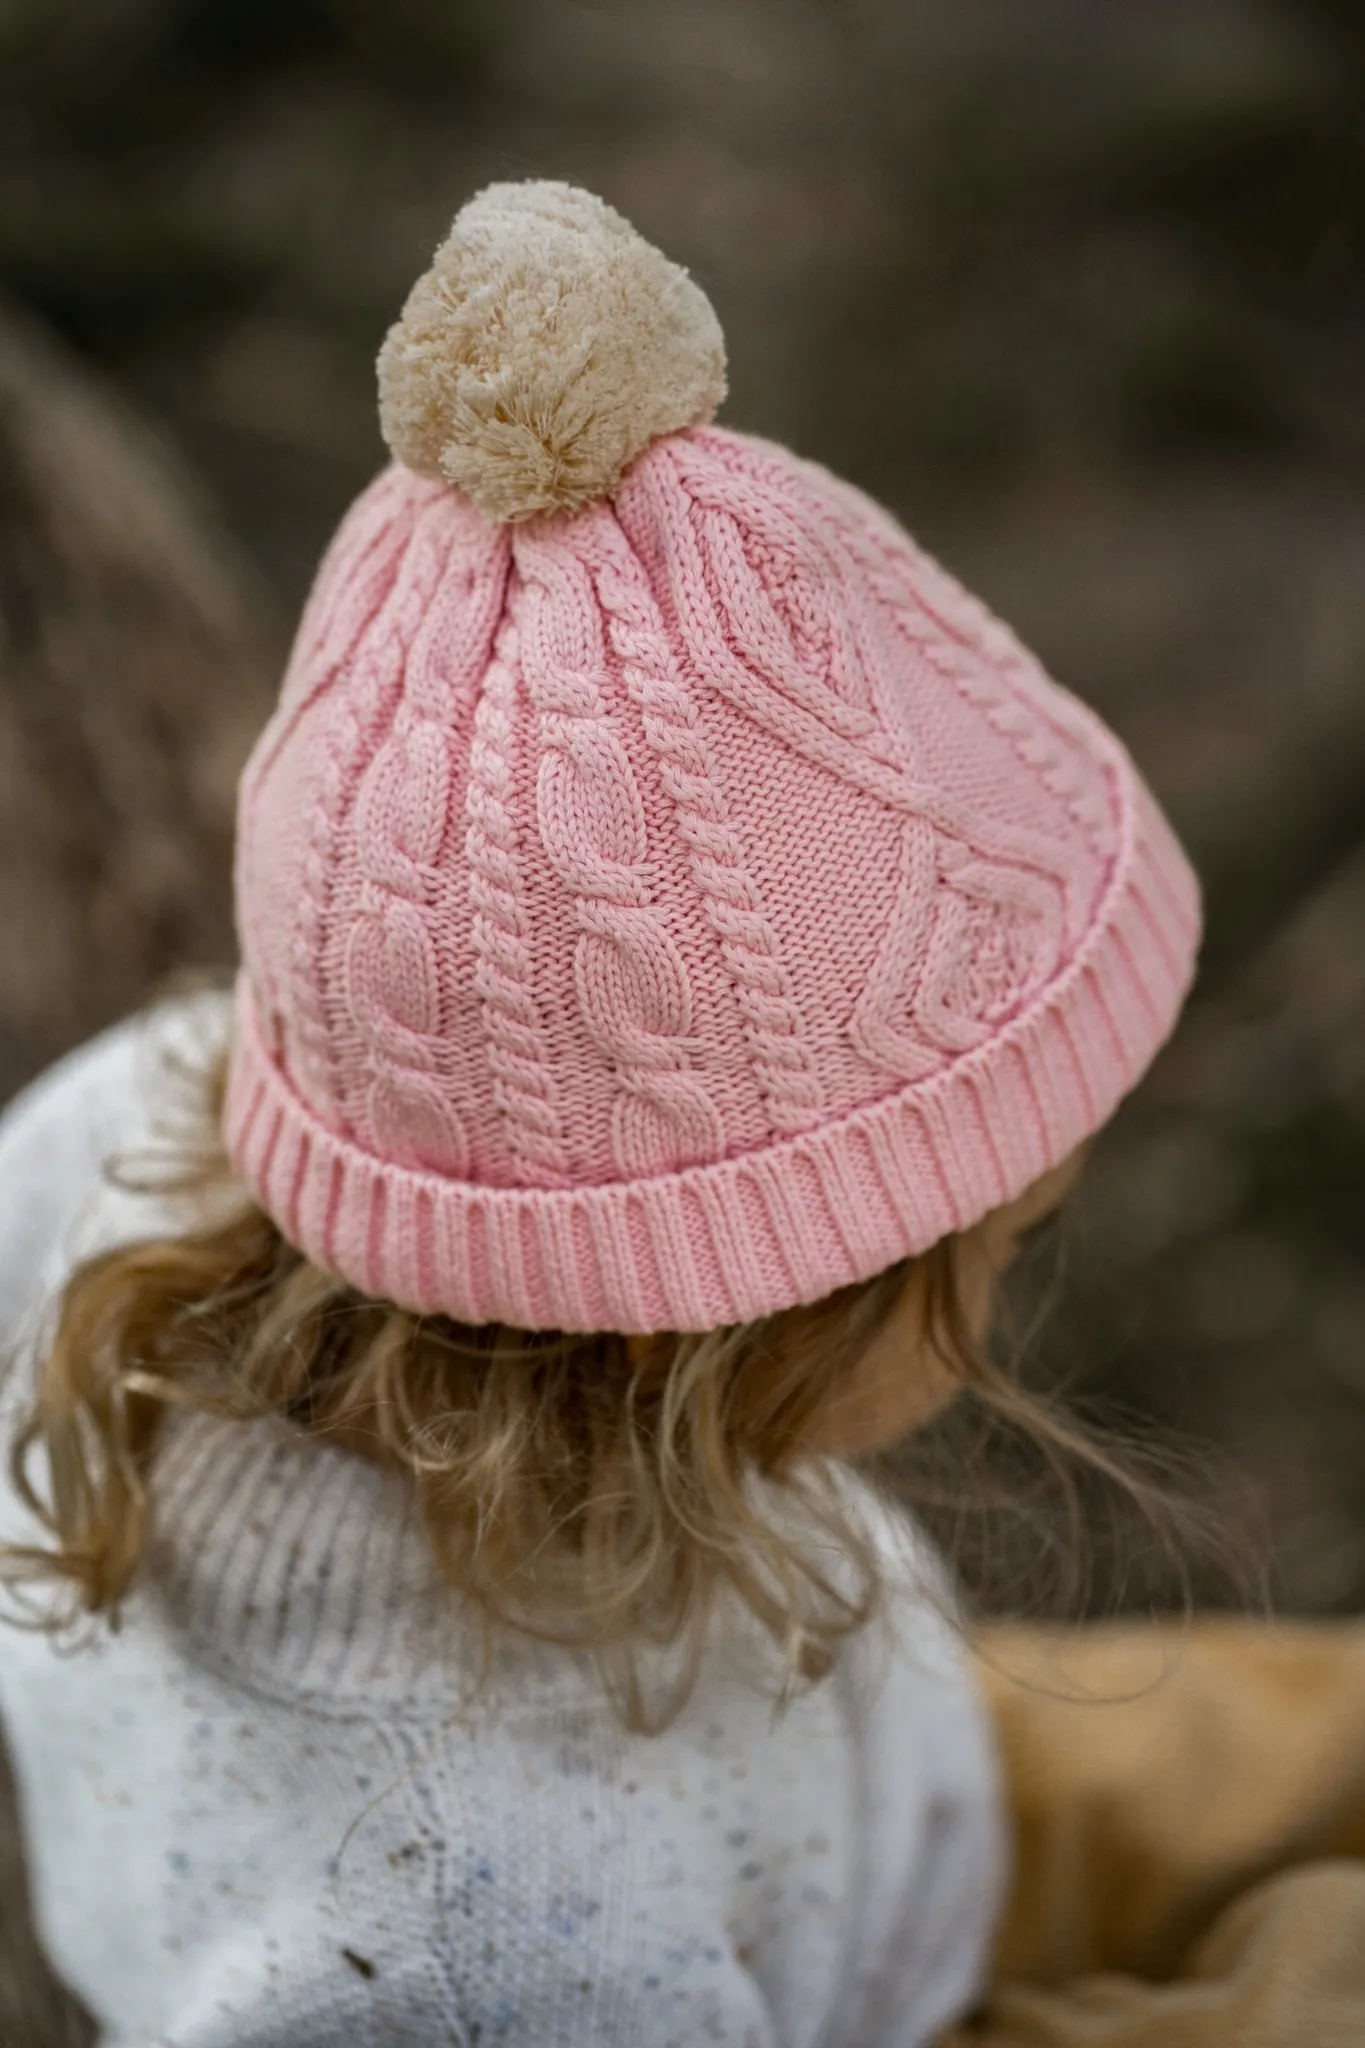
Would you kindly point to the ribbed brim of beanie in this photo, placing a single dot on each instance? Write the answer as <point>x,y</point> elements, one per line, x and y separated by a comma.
<point>744,1237</point>
<point>665,897</point>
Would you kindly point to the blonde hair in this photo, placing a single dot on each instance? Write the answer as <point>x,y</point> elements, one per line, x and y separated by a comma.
<point>590,1489</point>
<point>586,1489</point>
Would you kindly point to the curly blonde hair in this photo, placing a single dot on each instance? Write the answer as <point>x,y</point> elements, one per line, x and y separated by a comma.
<point>594,1490</point>
<point>597,1491</point>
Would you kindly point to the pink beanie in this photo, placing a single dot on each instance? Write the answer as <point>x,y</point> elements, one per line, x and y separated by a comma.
<point>665,896</point>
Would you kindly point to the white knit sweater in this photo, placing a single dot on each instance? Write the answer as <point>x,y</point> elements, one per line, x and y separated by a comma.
<point>272,1811</point>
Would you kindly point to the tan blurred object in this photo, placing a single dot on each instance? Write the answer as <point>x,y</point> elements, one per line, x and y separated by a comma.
<point>1190,1813</point>
<point>131,683</point>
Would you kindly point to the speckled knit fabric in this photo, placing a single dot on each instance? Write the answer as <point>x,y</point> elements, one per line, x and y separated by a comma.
<point>658,916</point>
<point>274,1810</point>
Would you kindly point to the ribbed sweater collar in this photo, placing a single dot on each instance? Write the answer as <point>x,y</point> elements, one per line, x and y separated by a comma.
<point>302,1571</point>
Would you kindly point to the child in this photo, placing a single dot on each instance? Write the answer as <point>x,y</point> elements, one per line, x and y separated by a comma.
<point>685,941</point>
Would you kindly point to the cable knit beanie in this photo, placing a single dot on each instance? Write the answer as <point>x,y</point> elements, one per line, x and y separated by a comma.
<point>665,896</point>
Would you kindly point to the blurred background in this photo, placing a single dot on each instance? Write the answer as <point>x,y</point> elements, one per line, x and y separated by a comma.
<point>1076,286</point>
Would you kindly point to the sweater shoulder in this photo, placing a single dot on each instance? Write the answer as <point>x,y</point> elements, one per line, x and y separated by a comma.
<point>132,1090</point>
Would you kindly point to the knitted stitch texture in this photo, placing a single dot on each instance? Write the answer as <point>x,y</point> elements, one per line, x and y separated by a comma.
<point>303,1798</point>
<point>661,914</point>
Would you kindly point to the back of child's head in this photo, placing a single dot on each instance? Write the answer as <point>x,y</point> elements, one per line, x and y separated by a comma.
<point>674,916</point>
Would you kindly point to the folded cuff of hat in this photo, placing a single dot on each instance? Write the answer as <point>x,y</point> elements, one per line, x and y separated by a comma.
<point>744,1237</point>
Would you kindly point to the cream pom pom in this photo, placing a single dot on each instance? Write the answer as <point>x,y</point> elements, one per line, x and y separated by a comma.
<point>545,348</point>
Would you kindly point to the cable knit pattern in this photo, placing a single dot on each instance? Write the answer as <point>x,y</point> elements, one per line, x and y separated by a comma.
<point>375,674</point>
<point>394,975</point>
<point>514,1035</point>
<point>634,990</point>
<point>977,919</point>
<point>675,910</point>
<point>965,642</point>
<point>690,776</point>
